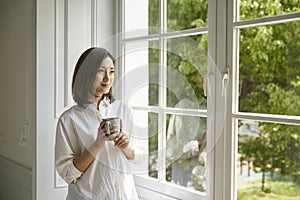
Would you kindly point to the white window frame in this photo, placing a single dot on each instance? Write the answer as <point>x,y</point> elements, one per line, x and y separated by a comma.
<point>222,140</point>
<point>148,184</point>
<point>234,26</point>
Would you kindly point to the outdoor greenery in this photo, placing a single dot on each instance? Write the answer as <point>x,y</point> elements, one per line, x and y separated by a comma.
<point>279,190</point>
<point>269,77</point>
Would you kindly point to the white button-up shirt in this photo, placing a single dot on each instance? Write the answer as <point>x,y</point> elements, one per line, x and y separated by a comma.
<point>109,175</point>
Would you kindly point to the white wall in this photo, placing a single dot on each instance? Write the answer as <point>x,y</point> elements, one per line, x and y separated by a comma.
<point>17,80</point>
<point>17,54</point>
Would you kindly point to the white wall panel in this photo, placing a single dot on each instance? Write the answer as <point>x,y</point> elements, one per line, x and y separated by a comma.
<point>73,35</point>
<point>63,33</point>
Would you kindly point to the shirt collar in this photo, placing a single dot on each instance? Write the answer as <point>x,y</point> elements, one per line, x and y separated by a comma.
<point>105,102</point>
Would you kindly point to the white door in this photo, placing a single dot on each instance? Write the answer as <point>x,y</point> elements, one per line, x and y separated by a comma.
<point>64,30</point>
<point>46,76</point>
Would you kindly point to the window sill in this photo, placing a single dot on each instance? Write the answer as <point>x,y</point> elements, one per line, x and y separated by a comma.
<point>150,188</point>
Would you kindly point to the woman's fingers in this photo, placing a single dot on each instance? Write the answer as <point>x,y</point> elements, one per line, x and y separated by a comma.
<point>110,136</point>
<point>102,123</point>
<point>121,140</point>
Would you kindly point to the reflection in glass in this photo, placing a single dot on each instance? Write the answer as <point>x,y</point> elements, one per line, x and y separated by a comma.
<point>186,151</point>
<point>269,66</point>
<point>141,78</point>
<point>268,161</point>
<point>187,66</point>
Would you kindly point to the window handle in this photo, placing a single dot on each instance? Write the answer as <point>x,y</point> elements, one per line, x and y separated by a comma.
<point>205,84</point>
<point>225,79</point>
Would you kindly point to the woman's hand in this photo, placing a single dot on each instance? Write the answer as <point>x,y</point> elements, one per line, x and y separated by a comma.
<point>101,138</point>
<point>112,130</point>
<point>122,142</point>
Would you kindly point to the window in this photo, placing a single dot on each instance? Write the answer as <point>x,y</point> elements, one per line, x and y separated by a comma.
<point>218,106</point>
<point>165,62</point>
<point>266,110</point>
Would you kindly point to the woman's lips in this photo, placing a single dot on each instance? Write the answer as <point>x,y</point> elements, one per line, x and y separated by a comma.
<point>105,85</point>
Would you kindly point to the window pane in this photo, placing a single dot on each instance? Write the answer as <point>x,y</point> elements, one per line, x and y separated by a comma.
<point>142,123</point>
<point>153,72</point>
<point>140,61</point>
<point>186,14</point>
<point>263,8</point>
<point>187,65</point>
<point>186,151</point>
<point>268,161</point>
<point>269,62</point>
<point>153,16</point>
<point>153,144</point>
<point>141,17</point>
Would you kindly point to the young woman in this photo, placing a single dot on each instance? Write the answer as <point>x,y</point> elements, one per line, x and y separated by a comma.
<point>94,165</point>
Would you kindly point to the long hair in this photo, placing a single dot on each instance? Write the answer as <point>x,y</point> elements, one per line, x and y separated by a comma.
<point>85,73</point>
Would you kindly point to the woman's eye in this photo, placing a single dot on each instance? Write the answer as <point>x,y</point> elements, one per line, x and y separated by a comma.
<point>112,71</point>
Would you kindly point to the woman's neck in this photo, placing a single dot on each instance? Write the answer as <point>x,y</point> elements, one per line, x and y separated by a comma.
<point>97,100</point>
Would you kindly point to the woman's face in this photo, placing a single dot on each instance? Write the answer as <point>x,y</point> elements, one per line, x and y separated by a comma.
<point>105,77</point>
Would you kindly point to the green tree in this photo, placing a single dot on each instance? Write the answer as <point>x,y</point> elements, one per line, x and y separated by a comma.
<point>278,145</point>
<point>269,71</point>
<point>245,148</point>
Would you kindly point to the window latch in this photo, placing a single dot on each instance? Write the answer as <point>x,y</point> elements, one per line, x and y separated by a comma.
<point>225,79</point>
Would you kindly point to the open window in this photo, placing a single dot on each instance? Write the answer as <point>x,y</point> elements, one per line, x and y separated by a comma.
<point>209,81</point>
<point>164,66</point>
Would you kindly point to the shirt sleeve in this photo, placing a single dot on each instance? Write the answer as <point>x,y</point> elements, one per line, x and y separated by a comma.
<point>138,139</point>
<point>65,151</point>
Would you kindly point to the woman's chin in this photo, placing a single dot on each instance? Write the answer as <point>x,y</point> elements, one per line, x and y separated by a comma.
<point>105,91</point>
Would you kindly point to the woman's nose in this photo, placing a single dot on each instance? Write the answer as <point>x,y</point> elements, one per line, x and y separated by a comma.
<point>106,76</point>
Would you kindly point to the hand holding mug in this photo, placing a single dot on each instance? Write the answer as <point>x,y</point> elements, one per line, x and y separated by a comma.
<point>112,127</point>
<point>122,141</point>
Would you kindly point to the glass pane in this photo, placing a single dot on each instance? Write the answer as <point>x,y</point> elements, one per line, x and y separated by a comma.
<point>142,126</point>
<point>187,65</point>
<point>186,151</point>
<point>153,16</point>
<point>141,75</point>
<point>186,14</point>
<point>141,17</point>
<point>153,144</point>
<point>153,72</point>
<point>269,66</point>
<point>262,8</point>
<point>268,161</point>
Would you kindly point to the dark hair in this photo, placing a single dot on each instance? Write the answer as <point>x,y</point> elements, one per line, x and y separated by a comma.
<point>85,73</point>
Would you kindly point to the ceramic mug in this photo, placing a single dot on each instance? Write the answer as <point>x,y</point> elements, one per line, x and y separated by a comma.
<point>112,122</point>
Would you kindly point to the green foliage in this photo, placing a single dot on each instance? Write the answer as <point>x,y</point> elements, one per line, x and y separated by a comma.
<point>278,145</point>
<point>180,57</point>
<point>268,54</point>
<point>269,76</point>
<point>185,14</point>
<point>269,83</point>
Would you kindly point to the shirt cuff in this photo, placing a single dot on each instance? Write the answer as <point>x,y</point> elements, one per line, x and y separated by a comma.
<point>139,155</point>
<point>75,173</point>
